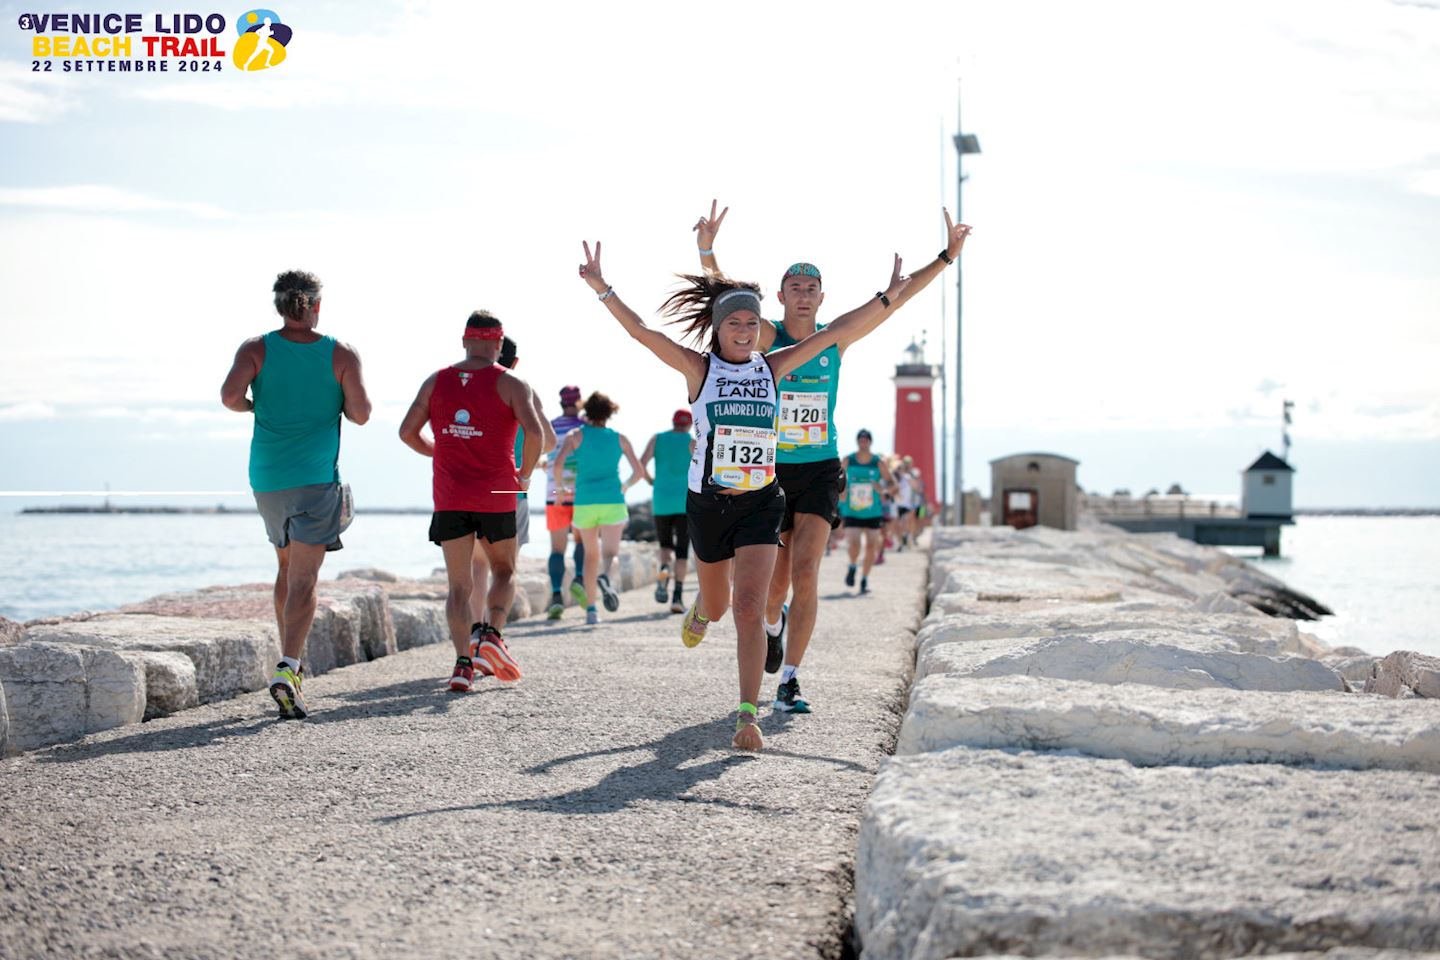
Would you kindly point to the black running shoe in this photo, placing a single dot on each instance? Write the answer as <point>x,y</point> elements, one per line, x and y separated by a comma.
<point>788,699</point>
<point>864,584</point>
<point>608,595</point>
<point>850,575</point>
<point>775,646</point>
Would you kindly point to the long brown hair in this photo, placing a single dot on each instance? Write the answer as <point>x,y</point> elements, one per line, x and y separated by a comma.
<point>690,306</point>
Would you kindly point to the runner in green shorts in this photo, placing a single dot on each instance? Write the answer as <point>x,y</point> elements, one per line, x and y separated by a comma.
<point>671,452</point>
<point>808,458</point>
<point>600,511</point>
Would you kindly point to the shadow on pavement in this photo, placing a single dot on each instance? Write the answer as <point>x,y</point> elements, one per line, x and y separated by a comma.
<point>668,775</point>
<point>426,695</point>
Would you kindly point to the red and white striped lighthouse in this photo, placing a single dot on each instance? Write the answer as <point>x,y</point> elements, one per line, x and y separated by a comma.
<point>915,419</point>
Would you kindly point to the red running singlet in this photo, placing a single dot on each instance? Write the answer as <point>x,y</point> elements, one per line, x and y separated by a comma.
<point>474,441</point>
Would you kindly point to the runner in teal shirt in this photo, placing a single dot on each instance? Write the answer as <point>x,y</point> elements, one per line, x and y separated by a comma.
<point>671,451</point>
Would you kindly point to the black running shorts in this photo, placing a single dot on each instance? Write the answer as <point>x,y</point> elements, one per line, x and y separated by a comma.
<point>864,523</point>
<point>453,524</point>
<point>673,532</point>
<point>720,523</point>
<point>810,488</point>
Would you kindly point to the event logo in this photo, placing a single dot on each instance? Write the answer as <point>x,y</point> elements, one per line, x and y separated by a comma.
<point>263,40</point>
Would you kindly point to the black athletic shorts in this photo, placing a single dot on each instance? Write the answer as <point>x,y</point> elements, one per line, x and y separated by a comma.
<point>453,524</point>
<point>864,523</point>
<point>902,511</point>
<point>810,488</point>
<point>720,523</point>
<point>673,532</point>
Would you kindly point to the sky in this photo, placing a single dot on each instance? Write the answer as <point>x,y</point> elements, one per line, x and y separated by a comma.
<point>1184,215</point>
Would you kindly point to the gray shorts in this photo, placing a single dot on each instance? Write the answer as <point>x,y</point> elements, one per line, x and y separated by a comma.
<point>309,514</point>
<point>522,522</point>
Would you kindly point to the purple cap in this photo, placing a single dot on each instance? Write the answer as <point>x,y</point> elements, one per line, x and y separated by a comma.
<point>569,396</point>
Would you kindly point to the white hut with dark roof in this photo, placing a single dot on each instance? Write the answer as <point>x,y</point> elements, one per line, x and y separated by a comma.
<point>1266,491</point>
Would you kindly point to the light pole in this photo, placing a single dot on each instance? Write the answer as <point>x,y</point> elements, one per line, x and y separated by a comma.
<point>964,143</point>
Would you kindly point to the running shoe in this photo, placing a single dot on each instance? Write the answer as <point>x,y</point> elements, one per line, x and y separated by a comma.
<point>477,633</point>
<point>577,592</point>
<point>497,656</point>
<point>463,676</point>
<point>775,646</point>
<point>557,606</point>
<point>285,689</point>
<point>850,575</point>
<point>864,584</point>
<point>608,595</point>
<point>693,627</point>
<point>788,699</point>
<point>661,593</point>
<point>592,617</point>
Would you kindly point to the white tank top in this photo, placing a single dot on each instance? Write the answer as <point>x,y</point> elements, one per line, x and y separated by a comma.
<point>906,496</point>
<point>735,426</point>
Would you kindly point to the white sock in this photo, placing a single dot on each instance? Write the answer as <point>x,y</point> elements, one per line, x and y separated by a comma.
<point>291,662</point>
<point>787,672</point>
<point>773,628</point>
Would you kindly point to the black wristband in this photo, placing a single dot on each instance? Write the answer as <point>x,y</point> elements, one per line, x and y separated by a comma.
<point>944,255</point>
<point>883,299</point>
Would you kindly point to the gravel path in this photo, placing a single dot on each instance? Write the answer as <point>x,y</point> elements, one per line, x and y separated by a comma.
<point>593,810</point>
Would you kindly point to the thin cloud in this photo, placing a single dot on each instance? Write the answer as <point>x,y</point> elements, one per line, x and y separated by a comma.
<point>92,198</point>
<point>27,97</point>
<point>31,410</point>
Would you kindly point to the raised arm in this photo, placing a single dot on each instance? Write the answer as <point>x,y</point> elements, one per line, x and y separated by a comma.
<point>685,360</point>
<point>955,234</point>
<point>243,373</point>
<point>786,359</point>
<point>416,417</point>
<point>346,363</point>
<point>706,229</point>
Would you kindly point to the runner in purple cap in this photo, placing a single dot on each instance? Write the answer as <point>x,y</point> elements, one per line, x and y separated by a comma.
<point>560,507</point>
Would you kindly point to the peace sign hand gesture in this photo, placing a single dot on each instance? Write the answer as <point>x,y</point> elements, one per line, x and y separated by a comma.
<point>707,227</point>
<point>590,269</point>
<point>898,280</point>
<point>955,234</point>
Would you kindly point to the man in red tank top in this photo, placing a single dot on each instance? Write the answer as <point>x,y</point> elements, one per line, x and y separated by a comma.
<point>473,408</point>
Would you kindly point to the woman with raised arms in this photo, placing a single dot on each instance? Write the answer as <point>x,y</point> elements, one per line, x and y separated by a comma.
<point>734,506</point>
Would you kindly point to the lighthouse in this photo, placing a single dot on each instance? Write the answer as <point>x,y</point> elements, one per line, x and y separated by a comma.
<point>914,417</point>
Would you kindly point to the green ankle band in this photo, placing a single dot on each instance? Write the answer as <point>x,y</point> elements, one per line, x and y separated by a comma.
<point>746,715</point>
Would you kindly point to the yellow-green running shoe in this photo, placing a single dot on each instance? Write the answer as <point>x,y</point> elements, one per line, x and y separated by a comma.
<point>285,689</point>
<point>577,593</point>
<point>693,627</point>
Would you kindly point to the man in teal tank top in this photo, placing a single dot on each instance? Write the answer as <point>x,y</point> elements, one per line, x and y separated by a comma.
<point>671,451</point>
<point>299,383</point>
<point>807,458</point>
<point>867,480</point>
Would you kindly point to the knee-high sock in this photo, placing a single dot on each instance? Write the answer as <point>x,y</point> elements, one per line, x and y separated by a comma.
<point>579,561</point>
<point>557,571</point>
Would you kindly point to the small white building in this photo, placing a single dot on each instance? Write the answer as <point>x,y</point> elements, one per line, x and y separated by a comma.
<point>1027,489</point>
<point>1266,491</point>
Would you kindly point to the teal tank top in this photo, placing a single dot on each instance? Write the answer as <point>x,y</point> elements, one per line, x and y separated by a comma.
<point>672,472</point>
<point>807,405</point>
<point>597,468</point>
<point>519,451</point>
<point>861,498</point>
<point>297,416</point>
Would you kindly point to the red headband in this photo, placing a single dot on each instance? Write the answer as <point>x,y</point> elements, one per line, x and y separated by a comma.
<point>484,333</point>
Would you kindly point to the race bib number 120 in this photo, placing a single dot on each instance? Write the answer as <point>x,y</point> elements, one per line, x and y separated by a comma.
<point>804,419</point>
<point>742,458</point>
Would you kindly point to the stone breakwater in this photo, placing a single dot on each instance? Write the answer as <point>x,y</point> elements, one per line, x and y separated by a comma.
<point>65,677</point>
<point>1110,750</point>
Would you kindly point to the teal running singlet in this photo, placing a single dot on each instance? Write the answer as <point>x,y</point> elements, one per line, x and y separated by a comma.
<point>597,473</point>
<point>862,489</point>
<point>807,404</point>
<point>298,401</point>
<point>672,471</point>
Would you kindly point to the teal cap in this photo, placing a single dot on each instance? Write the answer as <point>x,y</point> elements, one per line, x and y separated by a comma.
<point>801,270</point>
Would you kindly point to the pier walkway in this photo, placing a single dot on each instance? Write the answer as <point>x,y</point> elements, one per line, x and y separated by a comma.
<point>593,810</point>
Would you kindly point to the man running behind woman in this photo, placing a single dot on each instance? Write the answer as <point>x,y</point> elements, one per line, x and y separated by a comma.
<point>734,507</point>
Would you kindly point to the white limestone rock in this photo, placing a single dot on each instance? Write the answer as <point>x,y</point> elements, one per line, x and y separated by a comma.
<point>1173,659</point>
<point>55,693</point>
<point>374,574</point>
<point>1405,673</point>
<point>973,852</point>
<point>4,724</point>
<point>170,684</point>
<point>1149,725</point>
<point>1355,670</point>
<point>418,623</point>
<point>230,656</point>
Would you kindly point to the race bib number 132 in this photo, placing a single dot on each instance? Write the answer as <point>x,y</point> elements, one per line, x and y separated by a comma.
<point>742,458</point>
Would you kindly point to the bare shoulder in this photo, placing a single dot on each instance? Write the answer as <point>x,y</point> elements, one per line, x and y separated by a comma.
<point>345,353</point>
